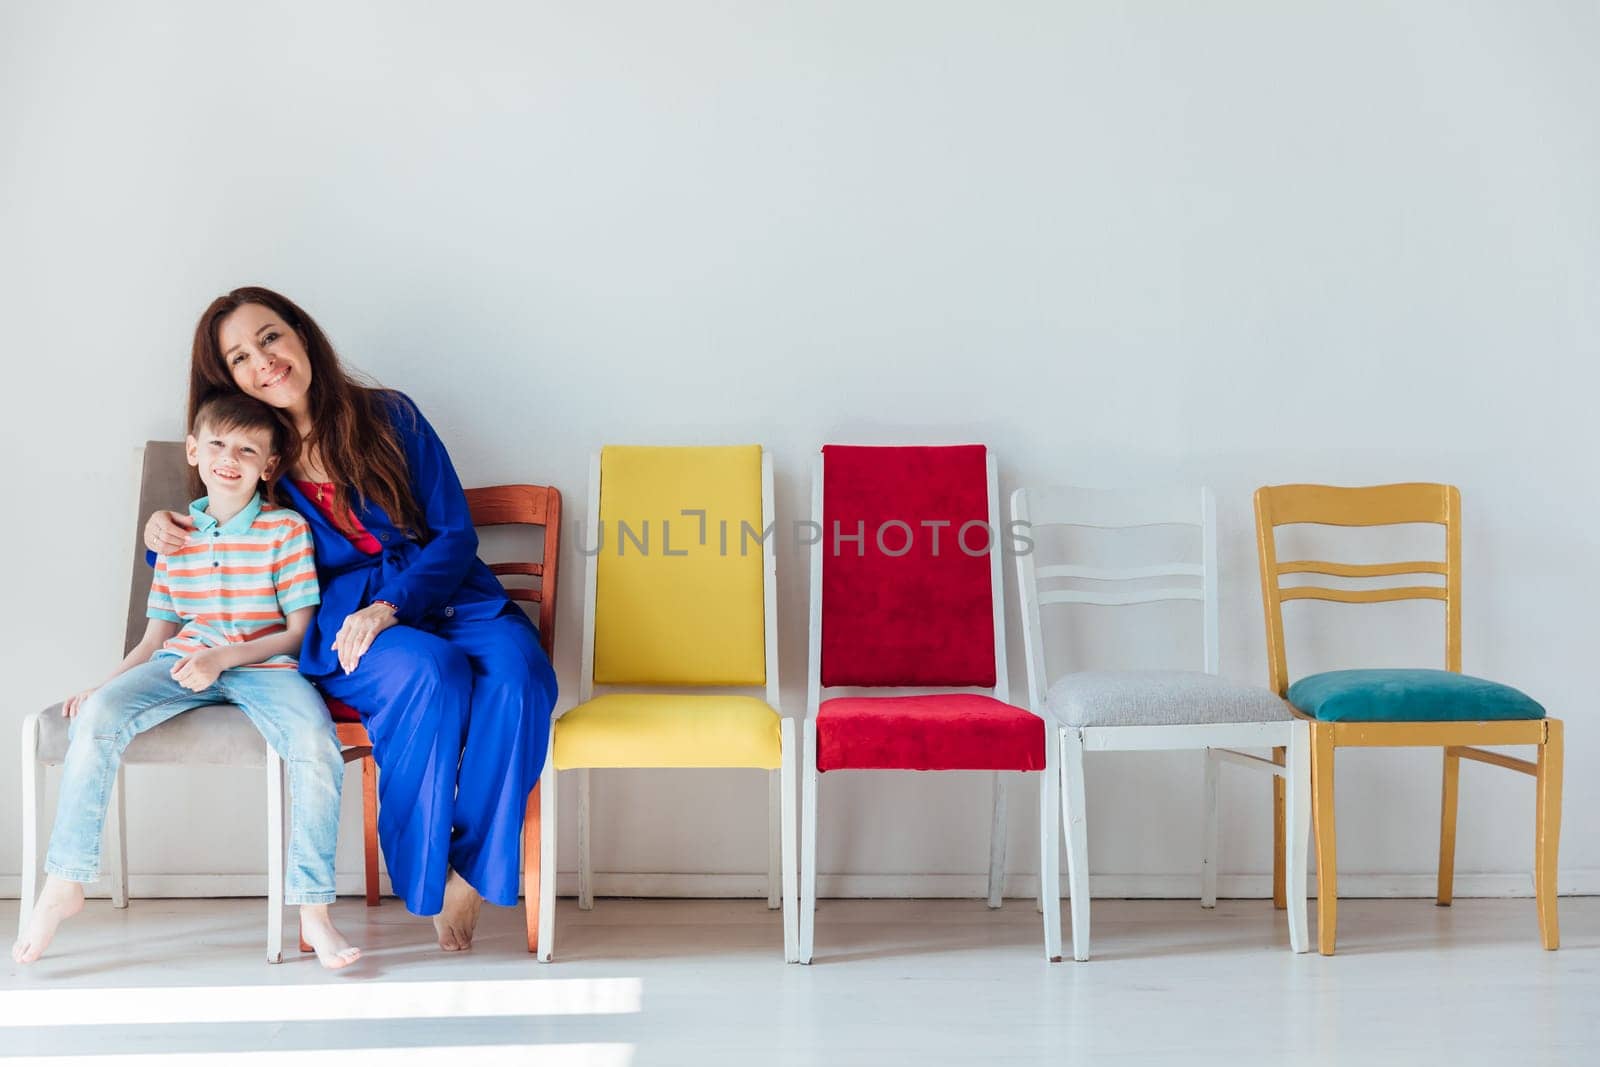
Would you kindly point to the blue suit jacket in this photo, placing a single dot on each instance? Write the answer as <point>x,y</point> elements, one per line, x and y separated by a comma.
<point>428,580</point>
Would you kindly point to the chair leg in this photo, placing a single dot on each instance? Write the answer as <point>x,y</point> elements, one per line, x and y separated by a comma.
<point>997,842</point>
<point>531,889</point>
<point>118,839</point>
<point>1327,863</point>
<point>32,812</point>
<point>1548,832</point>
<point>1050,850</point>
<point>1449,792</point>
<point>1538,824</point>
<point>585,871</point>
<point>1074,813</point>
<point>786,802</point>
<point>1297,790</point>
<point>808,839</point>
<point>1055,806</point>
<point>1280,829</point>
<point>547,858</point>
<point>774,839</point>
<point>369,824</point>
<point>1211,839</point>
<point>274,857</point>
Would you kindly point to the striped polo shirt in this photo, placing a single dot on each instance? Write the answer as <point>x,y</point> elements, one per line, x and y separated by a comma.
<point>237,580</point>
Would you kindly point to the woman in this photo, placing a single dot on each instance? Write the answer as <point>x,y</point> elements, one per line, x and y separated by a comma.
<point>413,630</point>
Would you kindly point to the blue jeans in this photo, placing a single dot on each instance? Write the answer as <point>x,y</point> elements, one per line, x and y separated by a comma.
<point>280,702</point>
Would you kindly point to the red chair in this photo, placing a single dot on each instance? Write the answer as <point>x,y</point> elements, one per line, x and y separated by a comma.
<point>499,505</point>
<point>906,595</point>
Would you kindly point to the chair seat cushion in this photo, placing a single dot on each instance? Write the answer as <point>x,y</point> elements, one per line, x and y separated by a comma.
<point>936,732</point>
<point>1409,696</point>
<point>669,730</point>
<point>219,735</point>
<point>1158,698</point>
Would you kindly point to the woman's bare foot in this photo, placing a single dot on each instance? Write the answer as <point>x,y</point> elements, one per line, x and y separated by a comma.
<point>318,931</point>
<point>60,901</point>
<point>456,923</point>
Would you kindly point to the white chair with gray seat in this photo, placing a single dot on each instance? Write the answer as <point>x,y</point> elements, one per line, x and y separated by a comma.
<point>1148,710</point>
<point>217,736</point>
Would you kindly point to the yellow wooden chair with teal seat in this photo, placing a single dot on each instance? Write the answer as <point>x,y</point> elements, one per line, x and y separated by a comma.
<point>680,612</point>
<point>1402,708</point>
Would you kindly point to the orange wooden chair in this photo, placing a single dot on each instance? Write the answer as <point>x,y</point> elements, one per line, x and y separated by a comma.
<point>497,505</point>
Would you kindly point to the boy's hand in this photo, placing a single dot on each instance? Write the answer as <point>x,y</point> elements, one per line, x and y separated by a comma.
<point>358,631</point>
<point>197,671</point>
<point>75,701</point>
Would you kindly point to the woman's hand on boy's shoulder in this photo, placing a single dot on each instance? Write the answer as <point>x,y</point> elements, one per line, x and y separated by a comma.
<point>167,531</point>
<point>70,706</point>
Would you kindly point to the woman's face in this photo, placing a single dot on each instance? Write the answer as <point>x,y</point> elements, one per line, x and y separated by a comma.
<point>266,359</point>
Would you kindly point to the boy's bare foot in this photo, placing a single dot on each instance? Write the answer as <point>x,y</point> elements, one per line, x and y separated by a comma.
<point>318,931</point>
<point>59,901</point>
<point>456,923</point>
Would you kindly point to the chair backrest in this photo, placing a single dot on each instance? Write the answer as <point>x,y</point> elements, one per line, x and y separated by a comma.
<point>526,505</point>
<point>905,572</point>
<point>1378,505</point>
<point>163,486</point>
<point>1043,583</point>
<point>680,587</point>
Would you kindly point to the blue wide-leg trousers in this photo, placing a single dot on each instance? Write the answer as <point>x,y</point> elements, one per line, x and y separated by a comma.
<point>460,722</point>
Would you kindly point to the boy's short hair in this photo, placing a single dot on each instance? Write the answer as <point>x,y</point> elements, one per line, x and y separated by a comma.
<point>235,411</point>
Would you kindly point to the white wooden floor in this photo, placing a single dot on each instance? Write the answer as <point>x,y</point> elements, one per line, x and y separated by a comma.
<point>925,982</point>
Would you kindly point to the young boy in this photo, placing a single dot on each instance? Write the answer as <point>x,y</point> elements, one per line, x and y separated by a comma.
<point>227,615</point>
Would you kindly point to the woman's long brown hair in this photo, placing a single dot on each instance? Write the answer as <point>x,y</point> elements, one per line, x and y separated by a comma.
<point>351,431</point>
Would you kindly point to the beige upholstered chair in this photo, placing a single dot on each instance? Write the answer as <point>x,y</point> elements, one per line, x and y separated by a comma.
<point>218,735</point>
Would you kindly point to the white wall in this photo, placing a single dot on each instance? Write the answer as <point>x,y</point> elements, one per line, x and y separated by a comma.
<point>1154,243</point>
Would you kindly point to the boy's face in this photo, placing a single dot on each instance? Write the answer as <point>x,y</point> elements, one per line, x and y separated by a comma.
<point>232,463</point>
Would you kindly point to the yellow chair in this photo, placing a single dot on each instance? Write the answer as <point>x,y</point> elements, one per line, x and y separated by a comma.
<point>680,593</point>
<point>1397,709</point>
